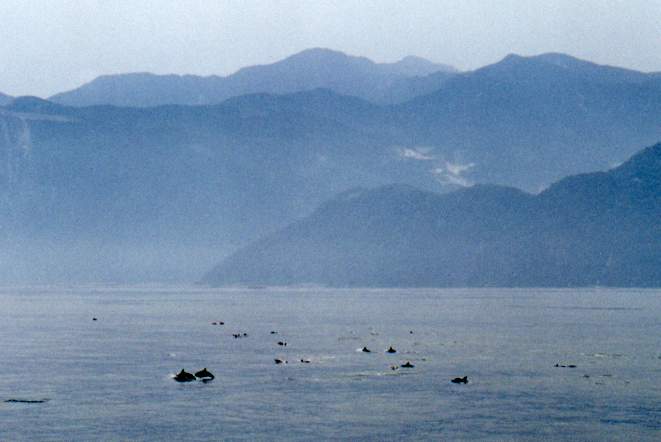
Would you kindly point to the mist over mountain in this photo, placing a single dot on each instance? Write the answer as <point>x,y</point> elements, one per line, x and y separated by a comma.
<point>552,115</point>
<point>124,184</point>
<point>307,70</point>
<point>113,193</point>
<point>594,229</point>
<point>522,122</point>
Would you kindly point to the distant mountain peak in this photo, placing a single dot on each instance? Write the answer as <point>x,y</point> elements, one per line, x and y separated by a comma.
<point>319,52</point>
<point>552,58</point>
<point>556,67</point>
<point>411,59</point>
<point>306,70</point>
<point>560,59</point>
<point>512,57</point>
<point>412,65</point>
<point>572,64</point>
<point>314,56</point>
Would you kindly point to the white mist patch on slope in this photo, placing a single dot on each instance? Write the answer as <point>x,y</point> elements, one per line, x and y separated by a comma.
<point>446,172</point>
<point>453,173</point>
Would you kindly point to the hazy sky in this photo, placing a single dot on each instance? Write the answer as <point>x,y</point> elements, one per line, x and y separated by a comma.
<point>47,46</point>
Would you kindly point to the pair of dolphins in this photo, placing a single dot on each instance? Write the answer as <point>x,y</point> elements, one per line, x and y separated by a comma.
<point>367,350</point>
<point>204,375</point>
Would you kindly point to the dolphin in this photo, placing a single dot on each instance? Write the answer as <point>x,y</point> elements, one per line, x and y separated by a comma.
<point>184,376</point>
<point>204,374</point>
<point>463,380</point>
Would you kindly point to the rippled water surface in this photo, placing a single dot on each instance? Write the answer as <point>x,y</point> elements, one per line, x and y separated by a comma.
<point>111,379</point>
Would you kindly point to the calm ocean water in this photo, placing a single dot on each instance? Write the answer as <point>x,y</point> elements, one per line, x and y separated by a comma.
<point>110,379</point>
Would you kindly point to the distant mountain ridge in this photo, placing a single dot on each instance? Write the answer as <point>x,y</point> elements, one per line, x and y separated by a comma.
<point>593,229</point>
<point>516,109</point>
<point>105,191</point>
<point>511,111</point>
<point>307,70</point>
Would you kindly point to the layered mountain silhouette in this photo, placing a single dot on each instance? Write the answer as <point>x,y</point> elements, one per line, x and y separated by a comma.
<point>307,70</point>
<point>594,229</point>
<point>553,110</point>
<point>106,192</point>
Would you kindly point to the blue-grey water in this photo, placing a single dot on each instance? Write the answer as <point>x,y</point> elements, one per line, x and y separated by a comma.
<point>111,379</point>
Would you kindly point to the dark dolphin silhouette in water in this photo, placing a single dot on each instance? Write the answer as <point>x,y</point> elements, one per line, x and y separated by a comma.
<point>26,401</point>
<point>463,380</point>
<point>391,350</point>
<point>407,365</point>
<point>184,376</point>
<point>205,375</point>
<point>366,350</point>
